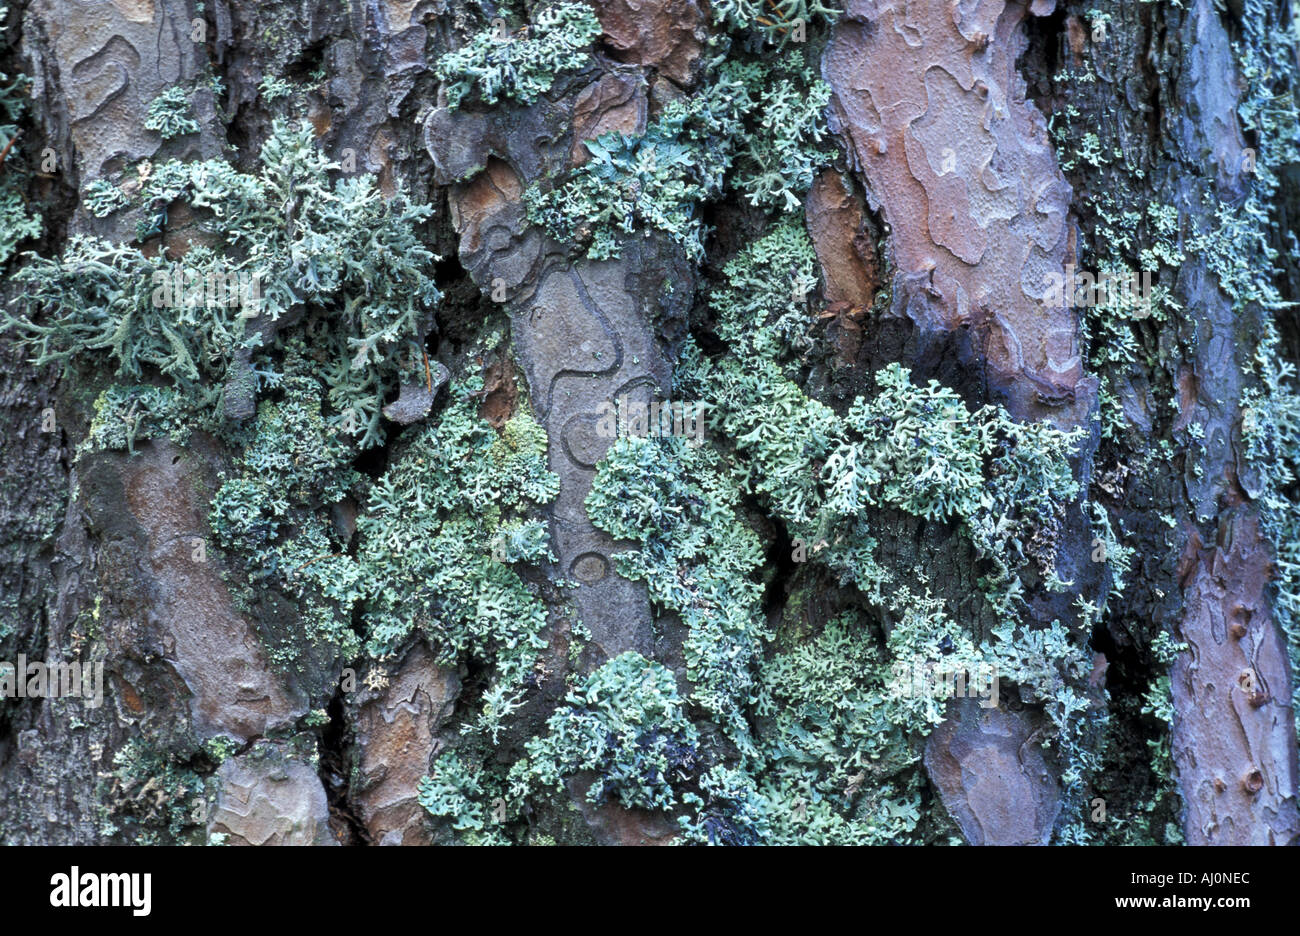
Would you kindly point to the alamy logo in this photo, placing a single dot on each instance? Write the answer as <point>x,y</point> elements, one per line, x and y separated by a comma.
<point>650,420</point>
<point>920,678</point>
<point>52,680</point>
<point>75,889</point>
<point>1080,289</point>
<point>188,288</point>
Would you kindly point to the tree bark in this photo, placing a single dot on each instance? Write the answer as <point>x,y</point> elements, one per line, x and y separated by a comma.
<point>975,151</point>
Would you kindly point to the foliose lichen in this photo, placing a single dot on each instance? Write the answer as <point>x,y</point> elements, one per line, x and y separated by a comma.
<point>169,114</point>
<point>520,64</point>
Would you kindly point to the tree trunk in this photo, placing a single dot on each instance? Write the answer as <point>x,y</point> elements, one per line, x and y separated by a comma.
<point>390,563</point>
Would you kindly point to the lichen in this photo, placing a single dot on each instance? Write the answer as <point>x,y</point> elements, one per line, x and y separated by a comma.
<point>430,551</point>
<point>697,559</point>
<point>520,64</point>
<point>169,114</point>
<point>625,723</point>
<point>272,513</point>
<point>1243,254</point>
<point>451,790</point>
<point>825,746</point>
<point>919,449</point>
<point>17,221</point>
<point>437,540</point>
<point>348,258</point>
<point>155,795</point>
<point>753,129</point>
<point>774,20</point>
<point>102,198</point>
<point>127,414</point>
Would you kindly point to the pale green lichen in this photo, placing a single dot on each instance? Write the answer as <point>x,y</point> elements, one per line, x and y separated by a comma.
<point>352,260</point>
<point>127,413</point>
<point>99,297</point>
<point>697,559</point>
<point>169,114</point>
<point>431,543</point>
<point>520,64</point>
<point>916,448</point>
<point>17,222</point>
<point>1241,252</point>
<point>453,791</point>
<point>776,21</point>
<point>428,558</point>
<point>826,746</point>
<point>754,129</point>
<point>625,724</point>
<point>272,88</point>
<point>102,198</point>
<point>154,794</point>
<point>273,514</point>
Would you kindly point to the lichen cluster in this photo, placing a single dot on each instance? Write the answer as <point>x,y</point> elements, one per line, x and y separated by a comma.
<point>761,724</point>
<point>1144,418</point>
<point>169,114</point>
<point>344,262</point>
<point>17,221</point>
<point>626,724</point>
<point>346,300</point>
<point>780,737</point>
<point>519,63</point>
<point>697,559</point>
<point>919,449</point>
<point>1241,251</point>
<point>443,533</point>
<point>755,131</point>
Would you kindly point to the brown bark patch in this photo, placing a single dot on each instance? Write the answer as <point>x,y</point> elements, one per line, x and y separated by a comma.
<point>500,394</point>
<point>396,736</point>
<point>990,772</point>
<point>665,34</point>
<point>846,252</point>
<point>214,648</point>
<point>615,103</point>
<point>929,101</point>
<point>1233,732</point>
